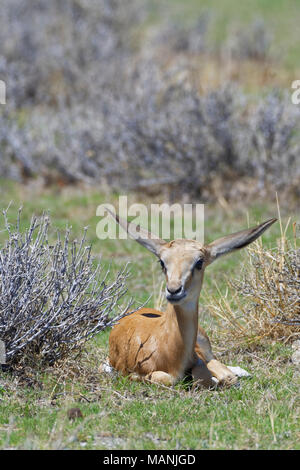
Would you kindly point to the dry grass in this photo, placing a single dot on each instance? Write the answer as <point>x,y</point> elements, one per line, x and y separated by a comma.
<point>207,73</point>
<point>265,304</point>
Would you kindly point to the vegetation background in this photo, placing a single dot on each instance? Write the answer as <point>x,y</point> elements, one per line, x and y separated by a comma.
<point>164,101</point>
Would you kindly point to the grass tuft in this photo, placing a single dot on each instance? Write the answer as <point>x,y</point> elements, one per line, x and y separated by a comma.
<point>265,304</point>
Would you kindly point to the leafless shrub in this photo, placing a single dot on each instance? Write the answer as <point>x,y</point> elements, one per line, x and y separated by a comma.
<point>252,42</point>
<point>167,133</point>
<point>52,297</point>
<point>267,301</point>
<point>159,132</point>
<point>55,51</point>
<point>17,149</point>
<point>185,39</point>
<point>275,141</point>
<point>176,137</point>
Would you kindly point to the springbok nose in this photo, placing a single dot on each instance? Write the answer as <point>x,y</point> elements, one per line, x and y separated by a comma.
<point>173,291</point>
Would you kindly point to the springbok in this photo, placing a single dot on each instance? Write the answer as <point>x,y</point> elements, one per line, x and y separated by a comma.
<point>163,347</point>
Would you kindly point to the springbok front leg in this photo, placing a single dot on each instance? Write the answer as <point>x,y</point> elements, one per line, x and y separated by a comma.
<point>214,367</point>
<point>222,373</point>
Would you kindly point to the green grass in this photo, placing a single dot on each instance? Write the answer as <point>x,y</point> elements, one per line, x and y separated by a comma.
<point>117,414</point>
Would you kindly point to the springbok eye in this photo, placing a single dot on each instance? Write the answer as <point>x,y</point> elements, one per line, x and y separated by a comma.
<point>199,264</point>
<point>163,267</point>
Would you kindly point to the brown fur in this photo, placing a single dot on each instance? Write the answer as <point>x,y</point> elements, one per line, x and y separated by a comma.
<point>134,346</point>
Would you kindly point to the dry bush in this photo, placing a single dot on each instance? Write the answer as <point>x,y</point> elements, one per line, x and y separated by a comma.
<point>266,301</point>
<point>56,52</point>
<point>159,132</point>
<point>182,39</point>
<point>53,298</point>
<point>90,101</point>
<point>252,42</point>
<point>164,132</point>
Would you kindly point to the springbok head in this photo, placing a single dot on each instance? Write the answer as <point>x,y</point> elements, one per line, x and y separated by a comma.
<point>184,261</point>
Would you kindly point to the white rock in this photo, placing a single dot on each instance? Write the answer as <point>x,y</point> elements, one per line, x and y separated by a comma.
<point>239,371</point>
<point>296,344</point>
<point>296,357</point>
<point>107,369</point>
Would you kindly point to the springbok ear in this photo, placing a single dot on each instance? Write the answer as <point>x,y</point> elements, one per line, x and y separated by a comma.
<point>236,241</point>
<point>150,241</point>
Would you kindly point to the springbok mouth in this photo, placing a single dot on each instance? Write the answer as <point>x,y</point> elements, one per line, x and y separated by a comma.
<point>173,299</point>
